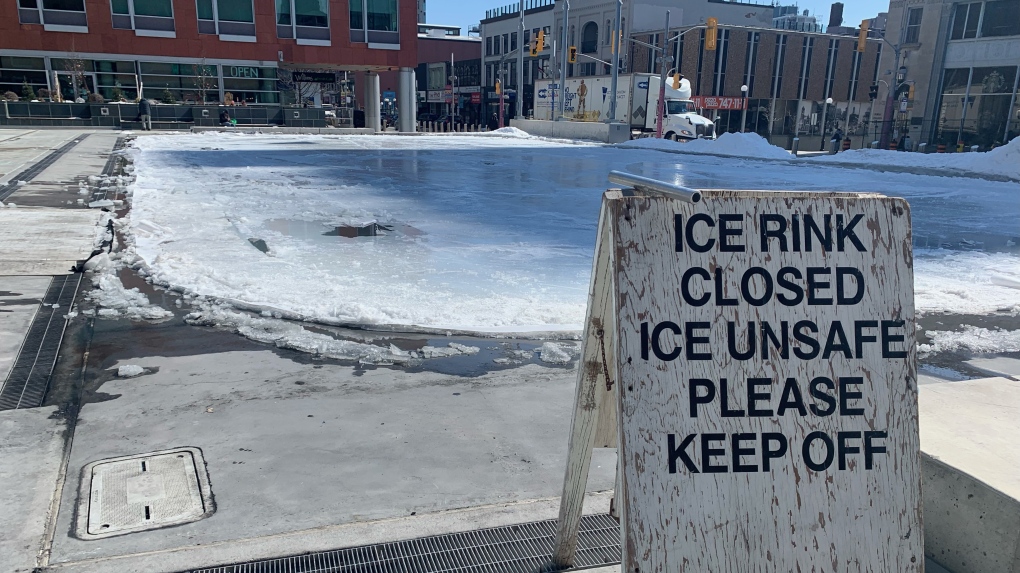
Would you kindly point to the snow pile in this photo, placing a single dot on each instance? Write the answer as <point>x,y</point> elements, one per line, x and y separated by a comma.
<point>512,132</point>
<point>556,353</point>
<point>749,145</point>
<point>1002,162</point>
<point>964,282</point>
<point>971,339</point>
<point>114,301</point>
<point>130,371</point>
<point>292,336</point>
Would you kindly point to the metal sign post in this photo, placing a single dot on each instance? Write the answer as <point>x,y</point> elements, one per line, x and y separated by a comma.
<point>752,357</point>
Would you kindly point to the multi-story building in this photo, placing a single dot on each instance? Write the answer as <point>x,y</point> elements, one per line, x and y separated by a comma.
<point>501,36</point>
<point>204,49</point>
<point>448,76</point>
<point>954,77</point>
<point>786,19</point>
<point>789,77</point>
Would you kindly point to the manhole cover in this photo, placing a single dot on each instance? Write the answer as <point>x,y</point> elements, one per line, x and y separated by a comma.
<point>138,493</point>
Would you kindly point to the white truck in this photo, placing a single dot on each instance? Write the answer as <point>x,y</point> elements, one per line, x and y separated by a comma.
<point>637,97</point>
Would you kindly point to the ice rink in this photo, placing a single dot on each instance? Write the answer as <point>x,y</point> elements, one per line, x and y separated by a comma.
<point>488,233</point>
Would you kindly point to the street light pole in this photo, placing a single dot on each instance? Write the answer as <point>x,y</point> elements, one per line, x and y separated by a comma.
<point>825,110</point>
<point>520,63</point>
<point>617,45</point>
<point>743,114</point>
<point>661,108</point>
<point>563,59</point>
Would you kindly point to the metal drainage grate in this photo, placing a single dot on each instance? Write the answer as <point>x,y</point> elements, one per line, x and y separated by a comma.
<point>29,380</point>
<point>525,548</point>
<point>33,171</point>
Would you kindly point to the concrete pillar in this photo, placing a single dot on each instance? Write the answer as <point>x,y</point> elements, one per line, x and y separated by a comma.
<point>407,101</point>
<point>370,98</point>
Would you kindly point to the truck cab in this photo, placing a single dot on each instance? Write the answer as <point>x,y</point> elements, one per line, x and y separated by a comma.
<point>681,121</point>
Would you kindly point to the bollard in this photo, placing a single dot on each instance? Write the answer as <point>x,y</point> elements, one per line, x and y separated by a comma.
<point>941,148</point>
<point>922,148</point>
<point>846,144</point>
<point>796,145</point>
<point>892,145</point>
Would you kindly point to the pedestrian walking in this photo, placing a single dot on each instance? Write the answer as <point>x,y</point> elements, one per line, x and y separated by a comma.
<point>145,114</point>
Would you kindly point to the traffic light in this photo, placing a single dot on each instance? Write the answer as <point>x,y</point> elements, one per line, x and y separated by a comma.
<point>572,55</point>
<point>499,88</point>
<point>541,40</point>
<point>862,39</point>
<point>873,92</point>
<point>534,48</point>
<point>676,81</point>
<point>711,33</point>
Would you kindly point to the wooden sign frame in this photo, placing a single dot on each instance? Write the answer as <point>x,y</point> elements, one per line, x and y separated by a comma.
<point>865,522</point>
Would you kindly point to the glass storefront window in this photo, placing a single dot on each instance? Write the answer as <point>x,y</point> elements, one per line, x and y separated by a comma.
<point>20,63</point>
<point>982,115</point>
<point>1002,18</point>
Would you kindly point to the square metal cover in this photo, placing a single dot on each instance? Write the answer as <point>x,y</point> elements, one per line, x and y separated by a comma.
<point>143,492</point>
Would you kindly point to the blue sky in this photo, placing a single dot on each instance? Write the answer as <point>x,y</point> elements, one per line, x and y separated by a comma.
<point>470,12</point>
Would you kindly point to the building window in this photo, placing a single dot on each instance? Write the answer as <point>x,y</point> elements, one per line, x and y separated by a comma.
<point>147,17</point>
<point>62,13</point>
<point>513,41</point>
<point>488,46</point>
<point>304,20</point>
<point>805,68</point>
<point>15,71</point>
<point>780,59</point>
<point>914,25</point>
<point>374,21</point>
<point>975,106</point>
<point>226,17</point>
<point>965,21</point>
<point>587,69</point>
<point>721,59</point>
<point>590,38</point>
<point>1002,18</point>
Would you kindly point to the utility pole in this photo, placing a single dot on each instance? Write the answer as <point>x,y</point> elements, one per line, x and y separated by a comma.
<point>617,46</point>
<point>661,107</point>
<point>520,64</point>
<point>563,59</point>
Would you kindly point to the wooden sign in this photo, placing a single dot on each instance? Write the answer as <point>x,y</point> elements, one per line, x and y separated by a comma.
<point>764,380</point>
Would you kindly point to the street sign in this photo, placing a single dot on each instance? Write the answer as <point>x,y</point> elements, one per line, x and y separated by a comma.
<point>759,350</point>
<point>715,102</point>
<point>476,98</point>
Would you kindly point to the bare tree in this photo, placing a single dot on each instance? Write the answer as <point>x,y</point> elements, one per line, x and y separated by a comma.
<point>75,65</point>
<point>206,80</point>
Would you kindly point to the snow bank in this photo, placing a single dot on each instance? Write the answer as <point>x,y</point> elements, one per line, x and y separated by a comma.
<point>965,282</point>
<point>292,336</point>
<point>112,300</point>
<point>750,145</point>
<point>971,339</point>
<point>1002,162</point>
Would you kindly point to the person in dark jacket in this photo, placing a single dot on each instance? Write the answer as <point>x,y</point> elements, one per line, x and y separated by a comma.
<point>145,114</point>
<point>224,117</point>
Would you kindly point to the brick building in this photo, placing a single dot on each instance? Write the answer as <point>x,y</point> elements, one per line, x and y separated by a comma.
<point>204,49</point>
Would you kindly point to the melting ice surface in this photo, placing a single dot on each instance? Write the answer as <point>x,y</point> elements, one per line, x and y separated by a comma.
<point>490,234</point>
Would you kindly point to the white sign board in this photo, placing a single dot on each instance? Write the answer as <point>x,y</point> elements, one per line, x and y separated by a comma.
<point>767,383</point>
